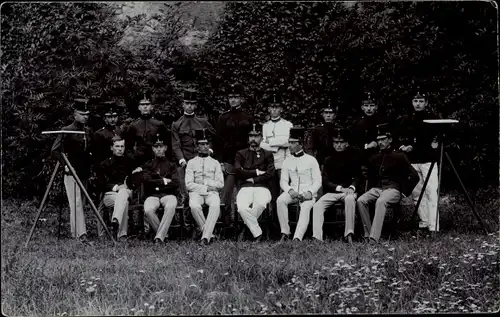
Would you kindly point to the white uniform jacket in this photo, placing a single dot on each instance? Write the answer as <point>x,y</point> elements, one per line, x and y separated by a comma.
<point>202,172</point>
<point>275,139</point>
<point>305,168</point>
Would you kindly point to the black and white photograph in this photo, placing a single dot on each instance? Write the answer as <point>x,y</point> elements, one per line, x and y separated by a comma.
<point>249,158</point>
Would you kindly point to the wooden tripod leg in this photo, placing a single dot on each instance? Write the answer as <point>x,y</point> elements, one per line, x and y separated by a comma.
<point>52,177</point>
<point>82,188</point>
<point>440,169</point>
<point>469,201</point>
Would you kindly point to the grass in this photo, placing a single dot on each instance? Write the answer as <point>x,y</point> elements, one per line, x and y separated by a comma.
<point>456,272</point>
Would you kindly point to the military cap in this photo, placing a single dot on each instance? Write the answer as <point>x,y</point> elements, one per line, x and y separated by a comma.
<point>419,95</point>
<point>160,139</point>
<point>275,100</point>
<point>236,89</point>
<point>368,99</point>
<point>201,135</point>
<point>190,94</point>
<point>81,105</point>
<point>383,131</point>
<point>144,101</point>
<point>328,107</point>
<point>296,133</point>
<point>340,133</point>
<point>110,108</point>
<point>256,129</point>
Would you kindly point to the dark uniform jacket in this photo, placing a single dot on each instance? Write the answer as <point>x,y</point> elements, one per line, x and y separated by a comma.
<point>247,162</point>
<point>140,135</point>
<point>153,173</point>
<point>183,141</point>
<point>116,170</point>
<point>77,148</point>
<point>321,144</point>
<point>391,169</point>
<point>101,143</point>
<point>413,131</point>
<point>364,131</point>
<point>232,134</point>
<point>342,169</point>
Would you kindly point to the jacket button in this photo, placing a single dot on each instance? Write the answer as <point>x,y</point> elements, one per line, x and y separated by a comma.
<point>157,188</point>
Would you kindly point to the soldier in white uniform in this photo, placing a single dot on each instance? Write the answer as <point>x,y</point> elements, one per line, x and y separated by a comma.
<point>300,181</point>
<point>204,180</point>
<point>275,133</point>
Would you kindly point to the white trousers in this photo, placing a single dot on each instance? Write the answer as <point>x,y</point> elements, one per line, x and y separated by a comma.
<point>305,210</point>
<point>427,211</point>
<point>119,201</point>
<point>251,202</point>
<point>195,203</point>
<point>326,201</point>
<point>76,216</point>
<point>152,203</point>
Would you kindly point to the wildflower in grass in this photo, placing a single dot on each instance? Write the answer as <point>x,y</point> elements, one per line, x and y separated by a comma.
<point>162,300</point>
<point>187,276</point>
<point>91,289</point>
<point>151,307</point>
<point>132,309</point>
<point>227,273</point>
<point>193,285</point>
<point>200,271</point>
<point>142,271</point>
<point>146,304</point>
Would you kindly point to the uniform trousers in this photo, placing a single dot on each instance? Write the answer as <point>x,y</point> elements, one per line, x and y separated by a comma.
<point>76,216</point>
<point>195,203</point>
<point>326,201</point>
<point>275,188</point>
<point>382,198</point>
<point>251,202</point>
<point>227,192</point>
<point>151,205</point>
<point>119,201</point>
<point>305,210</point>
<point>427,210</point>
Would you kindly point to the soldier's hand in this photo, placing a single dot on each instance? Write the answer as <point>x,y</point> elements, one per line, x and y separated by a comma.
<point>182,162</point>
<point>307,195</point>
<point>371,145</point>
<point>66,169</point>
<point>167,180</point>
<point>223,167</point>
<point>350,191</point>
<point>211,188</point>
<point>293,194</point>
<point>250,180</point>
<point>122,186</point>
<point>434,144</point>
<point>259,172</point>
<point>137,170</point>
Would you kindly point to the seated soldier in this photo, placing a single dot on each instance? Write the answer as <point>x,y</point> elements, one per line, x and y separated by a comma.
<point>160,187</point>
<point>300,181</point>
<point>392,174</point>
<point>204,179</point>
<point>341,175</point>
<point>113,174</point>
<point>254,169</point>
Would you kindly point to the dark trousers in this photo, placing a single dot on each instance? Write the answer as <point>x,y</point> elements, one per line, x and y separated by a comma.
<point>184,196</point>
<point>227,193</point>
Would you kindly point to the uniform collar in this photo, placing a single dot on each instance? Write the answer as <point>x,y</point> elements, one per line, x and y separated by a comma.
<point>257,149</point>
<point>276,119</point>
<point>235,108</point>
<point>146,117</point>
<point>202,154</point>
<point>299,153</point>
<point>161,159</point>
<point>188,115</point>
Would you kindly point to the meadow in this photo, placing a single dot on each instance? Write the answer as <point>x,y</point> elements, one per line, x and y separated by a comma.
<point>456,271</point>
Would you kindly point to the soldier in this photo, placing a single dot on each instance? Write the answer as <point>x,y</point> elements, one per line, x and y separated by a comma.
<point>77,149</point>
<point>141,133</point>
<point>391,174</point>
<point>419,143</point>
<point>365,129</point>
<point>254,168</point>
<point>231,136</point>
<point>102,145</point>
<point>300,181</point>
<point>275,134</point>
<point>113,175</point>
<point>161,182</point>
<point>183,141</point>
<point>321,138</point>
<point>341,176</point>
<point>204,180</point>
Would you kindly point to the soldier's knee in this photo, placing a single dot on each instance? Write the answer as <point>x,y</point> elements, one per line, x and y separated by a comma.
<point>350,199</point>
<point>381,203</point>
<point>149,211</point>
<point>281,200</point>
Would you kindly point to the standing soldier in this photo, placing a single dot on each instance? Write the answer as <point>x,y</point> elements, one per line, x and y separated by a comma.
<point>275,134</point>
<point>300,181</point>
<point>419,143</point>
<point>184,142</point>
<point>204,179</point>
<point>231,136</point>
<point>321,139</point>
<point>102,138</point>
<point>141,133</point>
<point>254,168</point>
<point>77,149</point>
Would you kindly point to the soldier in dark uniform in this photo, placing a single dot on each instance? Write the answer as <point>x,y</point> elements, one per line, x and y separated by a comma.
<point>254,169</point>
<point>231,136</point>
<point>77,149</point>
<point>102,137</point>
<point>321,144</point>
<point>114,176</point>
<point>183,140</point>
<point>161,183</point>
<point>391,175</point>
<point>419,143</point>
<point>141,133</point>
